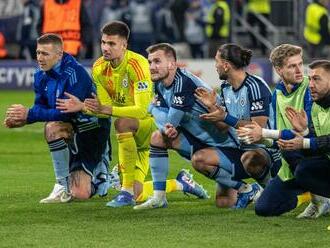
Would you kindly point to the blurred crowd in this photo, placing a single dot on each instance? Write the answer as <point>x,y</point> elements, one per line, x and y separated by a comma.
<point>197,26</point>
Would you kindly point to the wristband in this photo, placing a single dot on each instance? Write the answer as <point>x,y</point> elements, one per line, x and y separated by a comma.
<point>306,143</point>
<point>230,120</point>
<point>305,132</point>
<point>270,133</point>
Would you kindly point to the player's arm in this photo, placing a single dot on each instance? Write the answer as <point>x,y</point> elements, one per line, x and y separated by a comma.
<point>40,110</point>
<point>299,120</point>
<point>81,97</point>
<point>209,100</point>
<point>182,101</point>
<point>218,114</point>
<point>320,144</point>
<point>260,99</point>
<point>142,85</point>
<point>159,109</point>
<point>100,105</point>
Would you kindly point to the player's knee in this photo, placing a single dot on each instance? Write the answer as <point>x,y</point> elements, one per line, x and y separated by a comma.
<point>56,130</point>
<point>302,174</point>
<point>263,209</point>
<point>124,125</point>
<point>157,139</point>
<point>265,206</point>
<point>198,160</point>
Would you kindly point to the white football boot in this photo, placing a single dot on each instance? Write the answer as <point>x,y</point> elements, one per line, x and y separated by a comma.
<point>58,195</point>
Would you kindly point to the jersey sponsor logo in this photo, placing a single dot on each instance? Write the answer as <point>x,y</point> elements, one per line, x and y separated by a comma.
<point>142,86</point>
<point>120,98</point>
<point>258,105</point>
<point>178,100</point>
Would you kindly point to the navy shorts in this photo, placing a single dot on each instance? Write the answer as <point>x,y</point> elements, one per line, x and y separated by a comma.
<point>278,197</point>
<point>87,148</point>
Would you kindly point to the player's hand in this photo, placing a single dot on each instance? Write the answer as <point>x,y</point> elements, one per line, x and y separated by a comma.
<point>206,97</point>
<point>250,133</point>
<point>70,105</point>
<point>94,105</point>
<point>155,101</point>
<point>17,113</point>
<point>218,115</point>
<point>298,119</point>
<point>10,123</point>
<point>293,144</point>
<point>170,131</point>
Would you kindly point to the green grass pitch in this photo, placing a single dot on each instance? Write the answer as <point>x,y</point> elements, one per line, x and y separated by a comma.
<point>26,176</point>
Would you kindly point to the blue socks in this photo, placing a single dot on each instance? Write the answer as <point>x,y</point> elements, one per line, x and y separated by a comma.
<point>159,167</point>
<point>224,178</point>
<point>61,157</point>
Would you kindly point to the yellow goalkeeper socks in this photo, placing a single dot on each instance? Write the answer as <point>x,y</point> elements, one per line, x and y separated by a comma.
<point>127,155</point>
<point>305,197</point>
<point>148,189</point>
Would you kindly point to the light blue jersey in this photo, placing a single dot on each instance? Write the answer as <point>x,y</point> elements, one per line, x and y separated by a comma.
<point>184,109</point>
<point>251,99</point>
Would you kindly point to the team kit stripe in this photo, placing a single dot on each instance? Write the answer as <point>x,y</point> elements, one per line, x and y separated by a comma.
<point>178,85</point>
<point>137,68</point>
<point>254,87</point>
<point>98,62</point>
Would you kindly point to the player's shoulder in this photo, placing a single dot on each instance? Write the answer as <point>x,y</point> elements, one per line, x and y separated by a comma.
<point>137,65</point>
<point>184,76</point>
<point>257,86</point>
<point>135,58</point>
<point>99,62</point>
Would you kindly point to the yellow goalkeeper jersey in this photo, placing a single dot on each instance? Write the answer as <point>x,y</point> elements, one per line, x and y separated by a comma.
<point>127,88</point>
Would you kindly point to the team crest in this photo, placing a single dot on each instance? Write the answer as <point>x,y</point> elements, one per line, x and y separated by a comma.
<point>242,101</point>
<point>124,83</point>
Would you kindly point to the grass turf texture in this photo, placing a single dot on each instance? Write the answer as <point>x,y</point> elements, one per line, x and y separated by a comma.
<point>26,176</point>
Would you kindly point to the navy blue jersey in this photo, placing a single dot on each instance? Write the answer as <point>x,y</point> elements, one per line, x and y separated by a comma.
<point>69,76</point>
<point>184,109</point>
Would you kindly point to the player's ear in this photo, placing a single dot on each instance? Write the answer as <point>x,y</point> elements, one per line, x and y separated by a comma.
<point>172,65</point>
<point>60,54</point>
<point>278,70</point>
<point>227,66</point>
<point>124,44</point>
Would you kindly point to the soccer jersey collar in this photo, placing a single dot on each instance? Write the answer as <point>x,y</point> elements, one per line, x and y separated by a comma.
<point>280,86</point>
<point>55,72</point>
<point>243,83</point>
<point>324,102</point>
<point>121,64</point>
